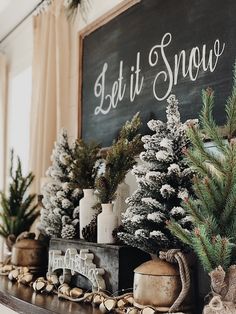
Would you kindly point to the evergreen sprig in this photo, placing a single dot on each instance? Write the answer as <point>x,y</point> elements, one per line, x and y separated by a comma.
<point>17,210</point>
<point>119,160</point>
<point>84,164</point>
<point>213,209</point>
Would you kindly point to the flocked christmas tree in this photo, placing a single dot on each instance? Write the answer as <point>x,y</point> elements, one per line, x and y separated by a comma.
<point>164,180</point>
<point>213,210</point>
<point>60,215</point>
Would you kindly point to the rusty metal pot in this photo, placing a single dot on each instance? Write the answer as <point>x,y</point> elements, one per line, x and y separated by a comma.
<point>31,253</point>
<point>157,283</point>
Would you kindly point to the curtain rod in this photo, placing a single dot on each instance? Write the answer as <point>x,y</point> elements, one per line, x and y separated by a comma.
<point>22,21</point>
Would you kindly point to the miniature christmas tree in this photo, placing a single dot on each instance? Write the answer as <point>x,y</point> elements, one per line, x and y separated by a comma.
<point>164,179</point>
<point>17,209</point>
<point>213,210</point>
<point>60,215</point>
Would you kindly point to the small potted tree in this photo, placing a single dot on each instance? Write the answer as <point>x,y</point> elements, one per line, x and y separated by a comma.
<point>18,210</point>
<point>164,180</point>
<point>61,196</point>
<point>213,237</point>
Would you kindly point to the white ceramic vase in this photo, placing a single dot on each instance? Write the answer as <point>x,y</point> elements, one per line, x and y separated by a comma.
<point>86,211</point>
<point>120,205</point>
<point>107,222</point>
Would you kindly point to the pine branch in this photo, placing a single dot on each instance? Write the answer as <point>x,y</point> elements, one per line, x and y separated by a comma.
<point>180,232</point>
<point>197,142</point>
<point>119,160</point>
<point>202,245</point>
<point>231,109</point>
<point>222,251</point>
<point>207,120</point>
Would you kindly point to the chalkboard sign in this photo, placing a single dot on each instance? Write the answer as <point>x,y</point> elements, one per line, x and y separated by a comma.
<point>153,48</point>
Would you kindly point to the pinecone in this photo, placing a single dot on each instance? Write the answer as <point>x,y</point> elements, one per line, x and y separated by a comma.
<point>68,232</point>
<point>115,235</point>
<point>90,231</point>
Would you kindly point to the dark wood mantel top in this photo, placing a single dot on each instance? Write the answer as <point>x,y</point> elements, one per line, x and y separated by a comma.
<point>24,300</point>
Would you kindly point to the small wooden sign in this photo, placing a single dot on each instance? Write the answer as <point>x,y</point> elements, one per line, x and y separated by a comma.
<point>133,58</point>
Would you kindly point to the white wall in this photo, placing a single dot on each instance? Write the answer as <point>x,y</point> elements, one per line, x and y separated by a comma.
<point>18,48</point>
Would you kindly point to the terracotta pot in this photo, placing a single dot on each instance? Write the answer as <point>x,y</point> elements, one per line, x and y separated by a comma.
<point>157,283</point>
<point>31,253</point>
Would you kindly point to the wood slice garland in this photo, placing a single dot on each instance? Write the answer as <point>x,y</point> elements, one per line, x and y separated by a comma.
<point>106,303</point>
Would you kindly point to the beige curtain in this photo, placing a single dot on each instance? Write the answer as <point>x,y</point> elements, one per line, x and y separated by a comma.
<point>50,94</point>
<point>3,118</point>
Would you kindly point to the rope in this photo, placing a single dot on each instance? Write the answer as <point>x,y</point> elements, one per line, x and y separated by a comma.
<point>173,256</point>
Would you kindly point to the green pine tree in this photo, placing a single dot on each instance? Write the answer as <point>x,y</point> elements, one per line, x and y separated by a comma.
<point>18,211</point>
<point>213,210</point>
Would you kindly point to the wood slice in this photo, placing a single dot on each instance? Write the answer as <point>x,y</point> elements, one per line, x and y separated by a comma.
<point>24,270</point>
<point>130,300</point>
<point>39,285</point>
<point>107,305</point>
<point>148,310</point>
<point>53,279</point>
<point>13,275</point>
<point>26,279</point>
<point>122,303</point>
<point>7,268</point>
<point>49,288</point>
<point>88,297</point>
<point>98,299</point>
<point>132,310</point>
<point>64,289</point>
<point>76,293</point>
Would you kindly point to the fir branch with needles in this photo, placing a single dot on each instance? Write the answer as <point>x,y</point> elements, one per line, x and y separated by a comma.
<point>85,164</point>
<point>119,160</point>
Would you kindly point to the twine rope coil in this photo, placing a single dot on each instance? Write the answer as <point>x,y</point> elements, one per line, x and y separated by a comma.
<point>173,256</point>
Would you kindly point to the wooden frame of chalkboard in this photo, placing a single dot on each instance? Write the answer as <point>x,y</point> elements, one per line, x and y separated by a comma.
<point>135,56</point>
<point>123,6</point>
